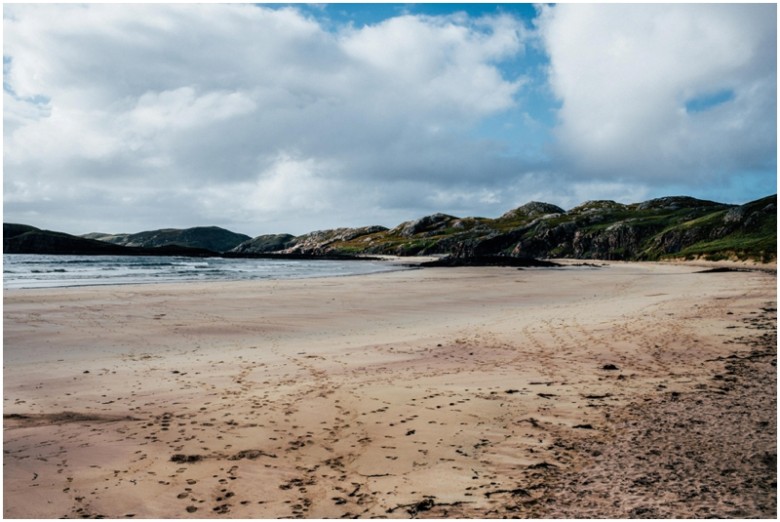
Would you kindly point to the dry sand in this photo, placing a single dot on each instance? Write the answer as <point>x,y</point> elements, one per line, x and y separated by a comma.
<point>628,390</point>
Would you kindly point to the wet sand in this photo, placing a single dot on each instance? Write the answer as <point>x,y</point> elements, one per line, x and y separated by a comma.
<point>624,390</point>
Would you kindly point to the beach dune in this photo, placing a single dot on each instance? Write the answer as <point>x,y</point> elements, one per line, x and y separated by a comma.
<point>624,389</point>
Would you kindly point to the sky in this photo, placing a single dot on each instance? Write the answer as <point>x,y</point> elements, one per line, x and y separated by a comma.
<point>289,118</point>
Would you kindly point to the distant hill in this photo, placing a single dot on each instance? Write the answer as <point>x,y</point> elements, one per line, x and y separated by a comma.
<point>215,239</point>
<point>25,239</point>
<point>663,228</point>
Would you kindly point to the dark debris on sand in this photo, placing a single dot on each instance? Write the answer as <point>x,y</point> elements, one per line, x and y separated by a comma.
<point>706,453</point>
<point>521,262</point>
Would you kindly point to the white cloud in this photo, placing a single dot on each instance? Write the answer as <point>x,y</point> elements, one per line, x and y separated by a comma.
<point>624,74</point>
<point>443,63</point>
<point>285,183</point>
<point>223,104</point>
<point>48,138</point>
<point>182,108</point>
<point>131,117</point>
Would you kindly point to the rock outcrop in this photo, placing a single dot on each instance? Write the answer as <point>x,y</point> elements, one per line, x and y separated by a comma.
<point>429,225</point>
<point>677,226</point>
<point>320,242</point>
<point>532,210</point>
<point>265,244</point>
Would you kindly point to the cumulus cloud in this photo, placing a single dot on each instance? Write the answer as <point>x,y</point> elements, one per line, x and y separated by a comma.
<point>122,118</point>
<point>454,72</point>
<point>654,92</point>
<point>248,111</point>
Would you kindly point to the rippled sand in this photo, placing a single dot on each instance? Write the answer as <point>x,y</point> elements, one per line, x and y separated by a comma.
<point>625,390</point>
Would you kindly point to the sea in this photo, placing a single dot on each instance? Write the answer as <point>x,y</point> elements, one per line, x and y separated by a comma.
<point>46,271</point>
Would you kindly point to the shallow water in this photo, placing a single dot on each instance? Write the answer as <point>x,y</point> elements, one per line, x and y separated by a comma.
<point>48,271</point>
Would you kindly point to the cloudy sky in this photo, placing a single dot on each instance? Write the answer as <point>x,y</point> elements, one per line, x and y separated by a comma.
<point>293,118</point>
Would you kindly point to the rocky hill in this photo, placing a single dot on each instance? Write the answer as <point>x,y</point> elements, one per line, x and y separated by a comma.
<point>215,239</point>
<point>660,228</point>
<point>321,241</point>
<point>670,227</point>
<point>265,244</point>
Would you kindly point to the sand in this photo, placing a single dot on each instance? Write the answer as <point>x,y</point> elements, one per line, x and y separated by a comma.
<point>623,390</point>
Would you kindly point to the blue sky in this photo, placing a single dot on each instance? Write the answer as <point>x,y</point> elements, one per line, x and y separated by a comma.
<point>299,117</point>
<point>373,13</point>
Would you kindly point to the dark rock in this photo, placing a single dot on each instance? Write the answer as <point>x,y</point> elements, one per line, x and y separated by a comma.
<point>186,459</point>
<point>427,224</point>
<point>533,209</point>
<point>251,454</point>
<point>675,203</point>
<point>490,261</point>
<point>597,206</point>
<point>424,505</point>
<point>719,270</point>
<point>517,492</point>
<point>542,465</point>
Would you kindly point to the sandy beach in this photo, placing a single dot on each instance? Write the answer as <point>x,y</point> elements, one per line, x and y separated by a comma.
<point>619,390</point>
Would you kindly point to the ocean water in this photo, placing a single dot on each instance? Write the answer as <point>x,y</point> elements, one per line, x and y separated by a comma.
<point>43,271</point>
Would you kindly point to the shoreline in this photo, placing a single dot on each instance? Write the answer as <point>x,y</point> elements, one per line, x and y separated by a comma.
<point>389,264</point>
<point>425,262</point>
<point>460,392</point>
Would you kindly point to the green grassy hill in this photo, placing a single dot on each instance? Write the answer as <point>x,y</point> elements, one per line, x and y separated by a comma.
<point>671,227</point>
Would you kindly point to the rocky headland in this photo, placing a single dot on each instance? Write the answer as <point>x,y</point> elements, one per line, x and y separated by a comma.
<point>663,228</point>
<point>672,227</point>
